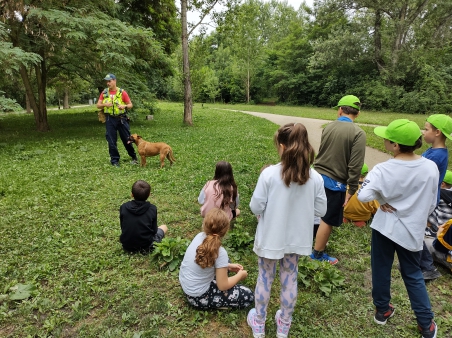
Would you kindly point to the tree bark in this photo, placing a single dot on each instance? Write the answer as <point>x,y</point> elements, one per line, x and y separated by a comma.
<point>41,77</point>
<point>188,103</point>
<point>66,98</point>
<point>27,104</point>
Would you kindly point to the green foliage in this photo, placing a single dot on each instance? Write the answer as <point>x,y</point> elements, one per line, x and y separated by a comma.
<point>169,253</point>
<point>238,242</point>
<point>22,291</point>
<point>325,276</point>
<point>7,104</point>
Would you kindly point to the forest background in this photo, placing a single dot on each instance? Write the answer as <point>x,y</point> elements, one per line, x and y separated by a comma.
<point>394,55</point>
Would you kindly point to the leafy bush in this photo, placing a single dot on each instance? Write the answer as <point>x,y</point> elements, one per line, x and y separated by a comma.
<point>238,242</point>
<point>325,276</point>
<point>169,253</point>
<point>7,104</point>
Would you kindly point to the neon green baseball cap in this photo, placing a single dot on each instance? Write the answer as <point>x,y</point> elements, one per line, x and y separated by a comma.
<point>448,177</point>
<point>364,169</point>
<point>443,123</point>
<point>349,101</point>
<point>400,131</point>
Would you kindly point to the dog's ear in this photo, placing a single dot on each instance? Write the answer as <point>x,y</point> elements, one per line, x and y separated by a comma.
<point>138,136</point>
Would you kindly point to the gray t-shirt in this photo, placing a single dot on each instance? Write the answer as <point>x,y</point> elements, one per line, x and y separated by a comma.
<point>195,281</point>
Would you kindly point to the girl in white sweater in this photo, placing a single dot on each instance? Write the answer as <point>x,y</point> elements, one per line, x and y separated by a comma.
<point>286,198</point>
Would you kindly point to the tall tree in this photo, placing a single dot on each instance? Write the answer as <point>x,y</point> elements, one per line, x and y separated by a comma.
<point>82,38</point>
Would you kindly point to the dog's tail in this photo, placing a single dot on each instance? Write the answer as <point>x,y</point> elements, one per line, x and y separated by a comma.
<point>170,156</point>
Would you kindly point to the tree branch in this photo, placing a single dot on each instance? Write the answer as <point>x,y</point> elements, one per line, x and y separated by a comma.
<point>206,12</point>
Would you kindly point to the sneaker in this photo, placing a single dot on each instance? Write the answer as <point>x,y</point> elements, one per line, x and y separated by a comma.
<point>282,329</point>
<point>360,224</point>
<point>134,162</point>
<point>429,232</point>
<point>258,329</point>
<point>115,164</point>
<point>382,317</point>
<point>430,332</point>
<point>431,274</point>
<point>326,258</point>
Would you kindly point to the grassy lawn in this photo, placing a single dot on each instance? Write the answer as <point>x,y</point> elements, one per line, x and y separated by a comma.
<point>59,202</point>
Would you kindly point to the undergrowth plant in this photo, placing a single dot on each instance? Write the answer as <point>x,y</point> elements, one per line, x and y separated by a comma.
<point>321,275</point>
<point>238,242</point>
<point>169,253</point>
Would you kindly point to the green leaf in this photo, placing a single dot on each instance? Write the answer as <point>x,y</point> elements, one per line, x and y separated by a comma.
<point>22,291</point>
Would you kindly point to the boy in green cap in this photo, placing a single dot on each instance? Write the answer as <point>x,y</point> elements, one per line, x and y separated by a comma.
<point>437,128</point>
<point>406,188</point>
<point>339,161</point>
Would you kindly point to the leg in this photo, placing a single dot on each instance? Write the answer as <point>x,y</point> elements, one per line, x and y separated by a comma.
<point>124,134</point>
<point>112,137</point>
<point>415,285</point>
<point>162,160</point>
<point>382,257</point>
<point>429,270</point>
<point>288,273</point>
<point>322,236</point>
<point>267,271</point>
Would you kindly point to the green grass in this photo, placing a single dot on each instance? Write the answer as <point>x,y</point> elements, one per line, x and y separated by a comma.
<point>59,201</point>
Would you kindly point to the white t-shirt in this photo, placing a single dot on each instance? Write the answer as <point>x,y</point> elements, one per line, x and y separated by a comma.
<point>286,214</point>
<point>195,281</point>
<point>411,188</point>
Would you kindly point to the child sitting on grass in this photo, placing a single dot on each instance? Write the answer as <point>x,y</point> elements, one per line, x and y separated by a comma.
<point>406,188</point>
<point>138,220</point>
<point>204,270</point>
<point>441,247</point>
<point>221,192</point>
<point>357,212</point>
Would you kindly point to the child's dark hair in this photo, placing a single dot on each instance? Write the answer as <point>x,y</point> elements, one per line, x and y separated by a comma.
<point>409,149</point>
<point>215,225</point>
<point>350,110</point>
<point>141,190</point>
<point>224,180</point>
<point>298,154</point>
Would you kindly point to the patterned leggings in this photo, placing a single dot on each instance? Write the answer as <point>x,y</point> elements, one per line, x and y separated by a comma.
<point>288,273</point>
<point>238,297</point>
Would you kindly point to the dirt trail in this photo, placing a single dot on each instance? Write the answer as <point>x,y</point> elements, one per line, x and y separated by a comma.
<point>314,128</point>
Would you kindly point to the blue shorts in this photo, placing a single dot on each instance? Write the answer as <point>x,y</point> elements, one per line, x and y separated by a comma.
<point>335,207</point>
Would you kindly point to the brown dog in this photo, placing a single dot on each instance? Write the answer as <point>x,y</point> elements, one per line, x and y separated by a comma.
<point>152,149</point>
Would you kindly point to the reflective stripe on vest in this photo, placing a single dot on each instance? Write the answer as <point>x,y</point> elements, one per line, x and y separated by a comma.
<point>117,100</point>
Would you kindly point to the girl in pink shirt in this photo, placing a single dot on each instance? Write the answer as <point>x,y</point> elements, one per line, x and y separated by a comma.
<point>221,192</point>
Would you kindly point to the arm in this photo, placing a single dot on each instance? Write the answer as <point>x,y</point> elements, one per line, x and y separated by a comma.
<point>126,99</point>
<point>356,163</point>
<point>258,201</point>
<point>320,204</point>
<point>99,103</point>
<point>224,282</point>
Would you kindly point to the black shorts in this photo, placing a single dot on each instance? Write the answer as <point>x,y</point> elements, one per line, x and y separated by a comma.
<point>335,207</point>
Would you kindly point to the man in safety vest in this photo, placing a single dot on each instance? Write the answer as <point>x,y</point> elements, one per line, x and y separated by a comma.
<point>114,101</point>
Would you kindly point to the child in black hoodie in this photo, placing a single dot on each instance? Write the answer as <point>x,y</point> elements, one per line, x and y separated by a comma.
<point>139,221</point>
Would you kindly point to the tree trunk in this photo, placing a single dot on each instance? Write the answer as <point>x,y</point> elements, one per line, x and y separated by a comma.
<point>41,78</point>
<point>27,104</point>
<point>188,103</point>
<point>248,86</point>
<point>66,98</point>
<point>377,43</point>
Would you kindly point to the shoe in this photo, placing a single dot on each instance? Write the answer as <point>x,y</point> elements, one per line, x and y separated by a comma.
<point>382,317</point>
<point>282,329</point>
<point>134,162</point>
<point>360,224</point>
<point>429,232</point>
<point>430,332</point>
<point>326,258</point>
<point>115,164</point>
<point>431,274</point>
<point>258,329</point>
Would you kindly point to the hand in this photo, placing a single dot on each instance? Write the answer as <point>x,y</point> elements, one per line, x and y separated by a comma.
<point>243,274</point>
<point>235,267</point>
<point>108,104</point>
<point>387,208</point>
<point>440,229</point>
<point>347,198</point>
<point>122,106</point>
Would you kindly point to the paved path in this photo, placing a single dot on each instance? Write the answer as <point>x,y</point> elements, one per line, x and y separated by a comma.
<point>314,128</point>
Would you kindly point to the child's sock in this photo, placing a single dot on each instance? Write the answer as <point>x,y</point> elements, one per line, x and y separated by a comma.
<point>317,254</point>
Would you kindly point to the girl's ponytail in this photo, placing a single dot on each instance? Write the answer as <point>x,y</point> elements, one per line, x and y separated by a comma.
<point>298,154</point>
<point>215,225</point>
